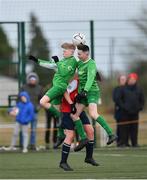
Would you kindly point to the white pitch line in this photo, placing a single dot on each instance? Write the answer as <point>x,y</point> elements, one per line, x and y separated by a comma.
<point>123,155</point>
<point>116,155</point>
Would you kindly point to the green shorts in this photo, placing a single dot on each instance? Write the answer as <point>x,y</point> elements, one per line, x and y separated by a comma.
<point>92,97</point>
<point>55,94</point>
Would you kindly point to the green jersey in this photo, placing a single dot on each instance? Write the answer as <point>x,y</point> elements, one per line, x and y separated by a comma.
<point>87,75</point>
<point>65,70</point>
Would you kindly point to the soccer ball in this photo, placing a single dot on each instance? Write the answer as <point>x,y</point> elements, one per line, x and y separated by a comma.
<point>78,38</point>
<point>13,111</point>
<point>16,110</point>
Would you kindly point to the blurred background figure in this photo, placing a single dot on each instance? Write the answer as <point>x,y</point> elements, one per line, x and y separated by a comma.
<point>131,102</point>
<point>24,113</point>
<point>117,109</point>
<point>49,120</point>
<point>35,92</point>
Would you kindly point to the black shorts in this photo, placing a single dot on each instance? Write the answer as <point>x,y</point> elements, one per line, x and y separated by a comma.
<point>67,122</point>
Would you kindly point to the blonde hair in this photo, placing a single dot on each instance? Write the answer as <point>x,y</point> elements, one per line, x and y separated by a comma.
<point>68,46</point>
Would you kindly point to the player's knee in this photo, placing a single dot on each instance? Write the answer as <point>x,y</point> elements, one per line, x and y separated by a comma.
<point>93,115</point>
<point>74,117</point>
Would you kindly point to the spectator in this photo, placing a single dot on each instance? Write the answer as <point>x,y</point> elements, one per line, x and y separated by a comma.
<point>49,118</point>
<point>24,112</point>
<point>117,111</point>
<point>131,101</point>
<point>35,92</point>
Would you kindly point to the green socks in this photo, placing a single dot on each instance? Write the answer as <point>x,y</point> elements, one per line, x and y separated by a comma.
<point>54,111</point>
<point>60,133</point>
<point>104,124</point>
<point>80,129</point>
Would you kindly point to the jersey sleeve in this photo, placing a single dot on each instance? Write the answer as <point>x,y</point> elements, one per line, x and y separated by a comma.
<point>72,86</point>
<point>90,76</point>
<point>47,64</point>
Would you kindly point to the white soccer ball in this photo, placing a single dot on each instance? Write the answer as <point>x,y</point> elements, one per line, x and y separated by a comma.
<point>78,38</point>
<point>14,111</point>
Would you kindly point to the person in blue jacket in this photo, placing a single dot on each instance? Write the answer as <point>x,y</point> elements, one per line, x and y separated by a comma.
<point>24,113</point>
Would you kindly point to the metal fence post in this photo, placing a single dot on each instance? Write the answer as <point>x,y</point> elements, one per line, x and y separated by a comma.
<point>92,56</point>
<point>21,53</point>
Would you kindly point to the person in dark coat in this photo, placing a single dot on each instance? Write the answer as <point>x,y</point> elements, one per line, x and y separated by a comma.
<point>117,111</point>
<point>131,102</point>
<point>49,119</point>
<point>34,90</point>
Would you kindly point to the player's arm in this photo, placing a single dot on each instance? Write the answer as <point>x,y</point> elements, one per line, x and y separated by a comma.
<point>90,76</point>
<point>47,64</point>
<point>67,97</point>
<point>71,87</point>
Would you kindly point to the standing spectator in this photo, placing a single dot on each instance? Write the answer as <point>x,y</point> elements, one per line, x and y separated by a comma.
<point>117,111</point>
<point>131,102</point>
<point>35,92</point>
<point>49,118</point>
<point>24,112</point>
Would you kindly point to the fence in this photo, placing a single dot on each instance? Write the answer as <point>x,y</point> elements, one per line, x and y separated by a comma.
<point>6,131</point>
<point>109,42</point>
<point>108,39</point>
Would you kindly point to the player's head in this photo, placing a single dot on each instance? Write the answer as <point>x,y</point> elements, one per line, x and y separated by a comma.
<point>68,49</point>
<point>132,78</point>
<point>83,52</point>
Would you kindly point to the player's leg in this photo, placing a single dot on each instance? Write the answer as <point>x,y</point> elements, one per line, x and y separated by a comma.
<point>77,121</point>
<point>79,127</point>
<point>66,149</point>
<point>92,108</point>
<point>45,102</point>
<point>53,93</point>
<point>90,134</point>
<point>51,101</point>
<point>68,125</point>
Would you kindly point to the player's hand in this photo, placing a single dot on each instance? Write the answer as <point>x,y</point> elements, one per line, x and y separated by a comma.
<point>55,58</point>
<point>32,58</point>
<point>83,94</point>
<point>80,96</point>
<point>73,108</point>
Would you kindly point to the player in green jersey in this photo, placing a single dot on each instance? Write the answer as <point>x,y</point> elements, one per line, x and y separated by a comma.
<point>89,92</point>
<point>65,71</point>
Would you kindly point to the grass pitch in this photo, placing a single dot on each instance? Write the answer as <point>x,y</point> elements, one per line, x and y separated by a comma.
<point>114,163</point>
